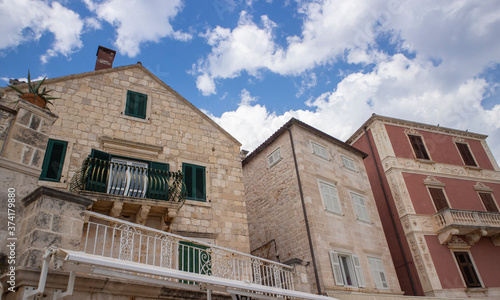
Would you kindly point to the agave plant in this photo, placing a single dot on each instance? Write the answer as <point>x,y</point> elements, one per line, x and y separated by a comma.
<point>34,88</point>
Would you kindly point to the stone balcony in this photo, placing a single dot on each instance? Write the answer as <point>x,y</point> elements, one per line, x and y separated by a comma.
<point>471,224</point>
<point>131,193</point>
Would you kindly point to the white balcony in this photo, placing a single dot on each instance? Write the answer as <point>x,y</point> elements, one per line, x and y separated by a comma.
<point>471,224</point>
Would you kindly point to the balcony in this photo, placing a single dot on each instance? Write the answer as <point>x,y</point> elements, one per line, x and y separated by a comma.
<point>471,224</point>
<point>126,251</point>
<point>130,190</point>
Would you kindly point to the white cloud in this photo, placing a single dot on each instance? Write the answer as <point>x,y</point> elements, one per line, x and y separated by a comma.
<point>137,22</point>
<point>24,21</point>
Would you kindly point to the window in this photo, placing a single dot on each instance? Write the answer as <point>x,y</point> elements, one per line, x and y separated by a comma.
<point>467,268</point>
<point>125,176</point>
<point>319,150</point>
<point>439,198</point>
<point>418,146</point>
<point>347,269</point>
<point>488,201</point>
<point>136,105</point>
<point>194,258</point>
<point>378,273</point>
<point>53,161</point>
<point>360,207</point>
<point>274,157</point>
<point>466,154</point>
<point>330,197</point>
<point>194,179</point>
<point>348,163</point>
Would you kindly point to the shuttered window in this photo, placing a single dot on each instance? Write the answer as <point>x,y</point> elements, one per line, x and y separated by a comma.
<point>194,179</point>
<point>319,150</point>
<point>53,160</point>
<point>467,268</point>
<point>488,201</point>
<point>378,273</point>
<point>274,157</point>
<point>439,198</point>
<point>360,207</point>
<point>330,197</point>
<point>136,105</point>
<point>347,269</point>
<point>418,146</point>
<point>466,154</point>
<point>349,163</point>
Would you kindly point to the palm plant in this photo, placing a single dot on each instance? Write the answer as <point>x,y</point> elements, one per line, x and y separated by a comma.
<point>34,88</point>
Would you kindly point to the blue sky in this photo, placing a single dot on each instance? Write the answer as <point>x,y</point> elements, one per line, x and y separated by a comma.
<point>251,65</point>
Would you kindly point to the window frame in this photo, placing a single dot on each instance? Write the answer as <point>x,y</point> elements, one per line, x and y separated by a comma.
<point>467,157</point>
<point>377,268</point>
<point>361,206</point>
<point>276,152</point>
<point>135,115</point>
<point>353,266</point>
<point>194,182</point>
<point>440,188</point>
<point>48,158</point>
<point>491,198</point>
<point>322,148</point>
<point>330,206</point>
<point>351,161</point>
<point>471,264</point>
<point>421,147</point>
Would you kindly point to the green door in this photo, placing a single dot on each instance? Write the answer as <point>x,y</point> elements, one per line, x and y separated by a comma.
<point>194,258</point>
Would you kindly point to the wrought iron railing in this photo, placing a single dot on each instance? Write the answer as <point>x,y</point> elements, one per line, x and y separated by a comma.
<point>453,217</point>
<point>135,243</point>
<point>115,178</point>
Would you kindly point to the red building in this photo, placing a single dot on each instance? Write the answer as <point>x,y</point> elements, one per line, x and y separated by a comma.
<point>437,191</point>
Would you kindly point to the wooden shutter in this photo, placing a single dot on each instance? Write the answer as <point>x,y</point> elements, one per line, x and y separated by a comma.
<point>467,269</point>
<point>337,271</point>
<point>488,201</point>
<point>418,146</point>
<point>97,172</point>
<point>466,154</point>
<point>157,180</point>
<point>360,207</point>
<point>378,273</point>
<point>136,105</point>
<point>359,272</point>
<point>53,160</point>
<point>439,198</point>
<point>330,197</point>
<point>194,179</point>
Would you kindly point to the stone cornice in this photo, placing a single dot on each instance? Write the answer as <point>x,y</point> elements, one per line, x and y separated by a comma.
<point>58,194</point>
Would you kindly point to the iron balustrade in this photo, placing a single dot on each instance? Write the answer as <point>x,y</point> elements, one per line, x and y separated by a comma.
<point>136,243</point>
<point>121,179</point>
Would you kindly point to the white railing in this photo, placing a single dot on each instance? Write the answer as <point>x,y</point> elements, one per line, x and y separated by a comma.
<point>109,237</point>
<point>449,217</point>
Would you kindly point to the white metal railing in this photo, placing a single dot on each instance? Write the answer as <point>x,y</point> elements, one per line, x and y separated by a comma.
<point>449,217</point>
<point>109,237</point>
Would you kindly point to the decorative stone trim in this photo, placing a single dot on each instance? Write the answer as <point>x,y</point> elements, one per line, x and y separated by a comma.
<point>412,131</point>
<point>474,237</point>
<point>457,243</point>
<point>130,149</point>
<point>446,235</point>
<point>459,140</point>
<point>431,180</point>
<point>481,187</point>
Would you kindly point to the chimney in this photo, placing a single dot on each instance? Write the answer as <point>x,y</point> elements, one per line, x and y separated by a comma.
<point>105,58</point>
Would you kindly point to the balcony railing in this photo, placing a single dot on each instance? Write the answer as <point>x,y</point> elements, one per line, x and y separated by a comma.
<point>139,244</point>
<point>122,179</point>
<point>467,218</point>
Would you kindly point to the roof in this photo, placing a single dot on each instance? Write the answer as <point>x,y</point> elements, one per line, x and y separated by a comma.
<point>307,127</point>
<point>408,123</point>
<point>139,66</point>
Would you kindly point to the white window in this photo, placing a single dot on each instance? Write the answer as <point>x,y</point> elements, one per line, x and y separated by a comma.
<point>347,269</point>
<point>378,273</point>
<point>330,197</point>
<point>349,163</point>
<point>360,207</point>
<point>319,150</point>
<point>274,157</point>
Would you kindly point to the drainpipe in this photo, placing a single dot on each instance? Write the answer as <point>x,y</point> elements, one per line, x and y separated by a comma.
<point>390,213</point>
<point>305,214</point>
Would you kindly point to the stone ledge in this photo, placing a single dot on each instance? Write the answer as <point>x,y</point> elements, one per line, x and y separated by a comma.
<point>57,194</point>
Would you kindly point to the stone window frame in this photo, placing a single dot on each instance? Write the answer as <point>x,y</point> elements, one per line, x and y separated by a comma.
<point>315,146</point>
<point>462,141</point>
<point>374,274</point>
<point>148,105</point>
<point>344,158</point>
<point>432,182</point>
<point>412,132</point>
<point>276,152</point>
<point>473,264</point>
<point>354,267</point>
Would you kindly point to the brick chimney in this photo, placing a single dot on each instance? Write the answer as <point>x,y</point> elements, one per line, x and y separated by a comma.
<point>105,58</point>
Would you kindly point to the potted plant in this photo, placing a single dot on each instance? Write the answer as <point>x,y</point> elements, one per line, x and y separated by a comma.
<point>34,95</point>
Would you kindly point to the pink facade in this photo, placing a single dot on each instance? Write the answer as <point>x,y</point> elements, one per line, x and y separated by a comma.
<point>437,191</point>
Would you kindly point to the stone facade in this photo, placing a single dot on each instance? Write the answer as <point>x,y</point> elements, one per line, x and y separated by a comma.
<point>433,229</point>
<point>276,211</point>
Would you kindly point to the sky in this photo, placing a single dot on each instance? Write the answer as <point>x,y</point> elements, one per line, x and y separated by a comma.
<point>252,65</point>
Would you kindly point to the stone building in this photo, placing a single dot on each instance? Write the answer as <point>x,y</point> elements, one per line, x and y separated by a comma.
<point>437,192</point>
<point>130,189</point>
<point>309,201</point>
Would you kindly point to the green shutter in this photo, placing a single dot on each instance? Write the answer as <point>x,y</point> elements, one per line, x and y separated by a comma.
<point>136,105</point>
<point>97,172</point>
<point>194,179</point>
<point>158,181</point>
<point>53,160</point>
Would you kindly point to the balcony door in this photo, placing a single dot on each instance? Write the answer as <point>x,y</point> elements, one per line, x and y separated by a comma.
<point>127,177</point>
